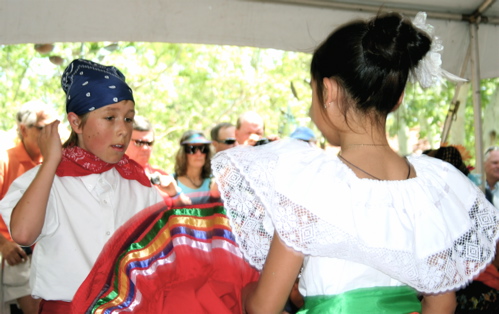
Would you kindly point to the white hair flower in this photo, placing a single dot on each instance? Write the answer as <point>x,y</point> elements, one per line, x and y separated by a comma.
<point>429,70</point>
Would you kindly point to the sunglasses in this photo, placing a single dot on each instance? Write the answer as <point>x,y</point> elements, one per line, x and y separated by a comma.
<point>141,143</point>
<point>192,149</point>
<point>262,141</point>
<point>228,141</point>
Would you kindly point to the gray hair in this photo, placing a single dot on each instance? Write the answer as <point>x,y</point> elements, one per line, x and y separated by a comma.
<point>142,124</point>
<point>487,152</point>
<point>28,114</point>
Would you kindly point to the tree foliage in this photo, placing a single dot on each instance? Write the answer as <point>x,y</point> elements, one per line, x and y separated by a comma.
<point>185,86</point>
<point>177,87</point>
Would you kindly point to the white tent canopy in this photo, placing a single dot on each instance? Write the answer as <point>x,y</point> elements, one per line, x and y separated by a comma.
<point>297,25</point>
<point>469,29</point>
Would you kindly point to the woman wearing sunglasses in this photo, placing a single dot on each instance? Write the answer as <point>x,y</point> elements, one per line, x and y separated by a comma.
<point>193,168</point>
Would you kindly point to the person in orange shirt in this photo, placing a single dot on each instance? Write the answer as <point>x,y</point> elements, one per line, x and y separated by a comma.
<point>31,119</point>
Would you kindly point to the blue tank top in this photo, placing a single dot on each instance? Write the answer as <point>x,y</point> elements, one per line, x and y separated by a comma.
<point>200,195</point>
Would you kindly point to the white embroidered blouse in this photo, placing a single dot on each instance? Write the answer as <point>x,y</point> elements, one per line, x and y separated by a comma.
<point>434,232</point>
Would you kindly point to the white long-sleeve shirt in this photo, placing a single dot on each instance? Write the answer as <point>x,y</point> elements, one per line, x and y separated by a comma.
<point>82,214</point>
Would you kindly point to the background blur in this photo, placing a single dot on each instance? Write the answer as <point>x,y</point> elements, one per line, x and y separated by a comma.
<point>191,86</point>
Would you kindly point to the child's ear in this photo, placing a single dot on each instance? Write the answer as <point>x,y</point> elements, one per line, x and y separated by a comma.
<point>331,90</point>
<point>401,99</point>
<point>75,122</point>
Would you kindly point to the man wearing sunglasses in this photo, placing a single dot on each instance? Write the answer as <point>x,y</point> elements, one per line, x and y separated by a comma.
<point>223,136</point>
<point>140,150</point>
<point>249,128</point>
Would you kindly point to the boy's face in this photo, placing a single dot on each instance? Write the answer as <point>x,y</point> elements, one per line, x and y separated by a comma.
<point>107,131</point>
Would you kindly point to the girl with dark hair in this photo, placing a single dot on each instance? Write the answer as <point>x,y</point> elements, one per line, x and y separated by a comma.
<point>193,168</point>
<point>369,231</point>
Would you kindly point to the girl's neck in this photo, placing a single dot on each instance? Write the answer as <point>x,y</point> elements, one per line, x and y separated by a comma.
<point>192,178</point>
<point>194,173</point>
<point>369,155</point>
<point>358,142</point>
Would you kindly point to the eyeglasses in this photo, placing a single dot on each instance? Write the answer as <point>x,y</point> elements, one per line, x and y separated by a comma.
<point>191,149</point>
<point>141,143</point>
<point>38,127</point>
<point>228,141</point>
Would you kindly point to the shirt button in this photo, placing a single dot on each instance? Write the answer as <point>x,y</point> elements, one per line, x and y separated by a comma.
<point>104,201</point>
<point>108,233</point>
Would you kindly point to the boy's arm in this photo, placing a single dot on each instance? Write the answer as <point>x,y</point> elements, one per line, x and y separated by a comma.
<point>28,215</point>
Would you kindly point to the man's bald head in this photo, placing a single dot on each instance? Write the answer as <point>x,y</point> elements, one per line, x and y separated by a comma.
<point>248,124</point>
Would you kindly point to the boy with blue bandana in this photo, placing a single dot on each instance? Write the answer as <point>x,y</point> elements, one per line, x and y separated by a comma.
<point>84,190</point>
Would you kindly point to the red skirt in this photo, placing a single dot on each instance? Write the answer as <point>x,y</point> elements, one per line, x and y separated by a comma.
<point>54,307</point>
<point>182,260</point>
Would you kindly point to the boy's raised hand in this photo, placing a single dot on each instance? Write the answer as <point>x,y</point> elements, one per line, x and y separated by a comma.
<point>28,215</point>
<point>50,143</point>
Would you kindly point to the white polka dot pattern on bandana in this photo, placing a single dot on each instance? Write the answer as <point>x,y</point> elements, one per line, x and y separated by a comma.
<point>90,86</point>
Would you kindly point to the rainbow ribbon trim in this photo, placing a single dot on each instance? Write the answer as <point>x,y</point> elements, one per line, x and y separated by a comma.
<point>200,228</point>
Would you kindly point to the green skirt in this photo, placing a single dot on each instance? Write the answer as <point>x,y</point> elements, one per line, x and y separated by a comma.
<point>386,300</point>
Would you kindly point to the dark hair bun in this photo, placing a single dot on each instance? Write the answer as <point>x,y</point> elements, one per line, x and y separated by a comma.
<point>371,60</point>
<point>391,42</point>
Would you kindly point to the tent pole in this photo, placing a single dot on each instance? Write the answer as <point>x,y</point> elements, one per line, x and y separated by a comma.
<point>477,107</point>
<point>484,6</point>
<point>454,105</point>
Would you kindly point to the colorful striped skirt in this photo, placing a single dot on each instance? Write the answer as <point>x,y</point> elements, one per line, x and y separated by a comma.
<point>180,260</point>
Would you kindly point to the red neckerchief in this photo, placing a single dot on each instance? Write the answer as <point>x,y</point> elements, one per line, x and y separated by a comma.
<point>77,162</point>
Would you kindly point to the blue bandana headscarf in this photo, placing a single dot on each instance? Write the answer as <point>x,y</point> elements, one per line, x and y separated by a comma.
<point>89,86</point>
